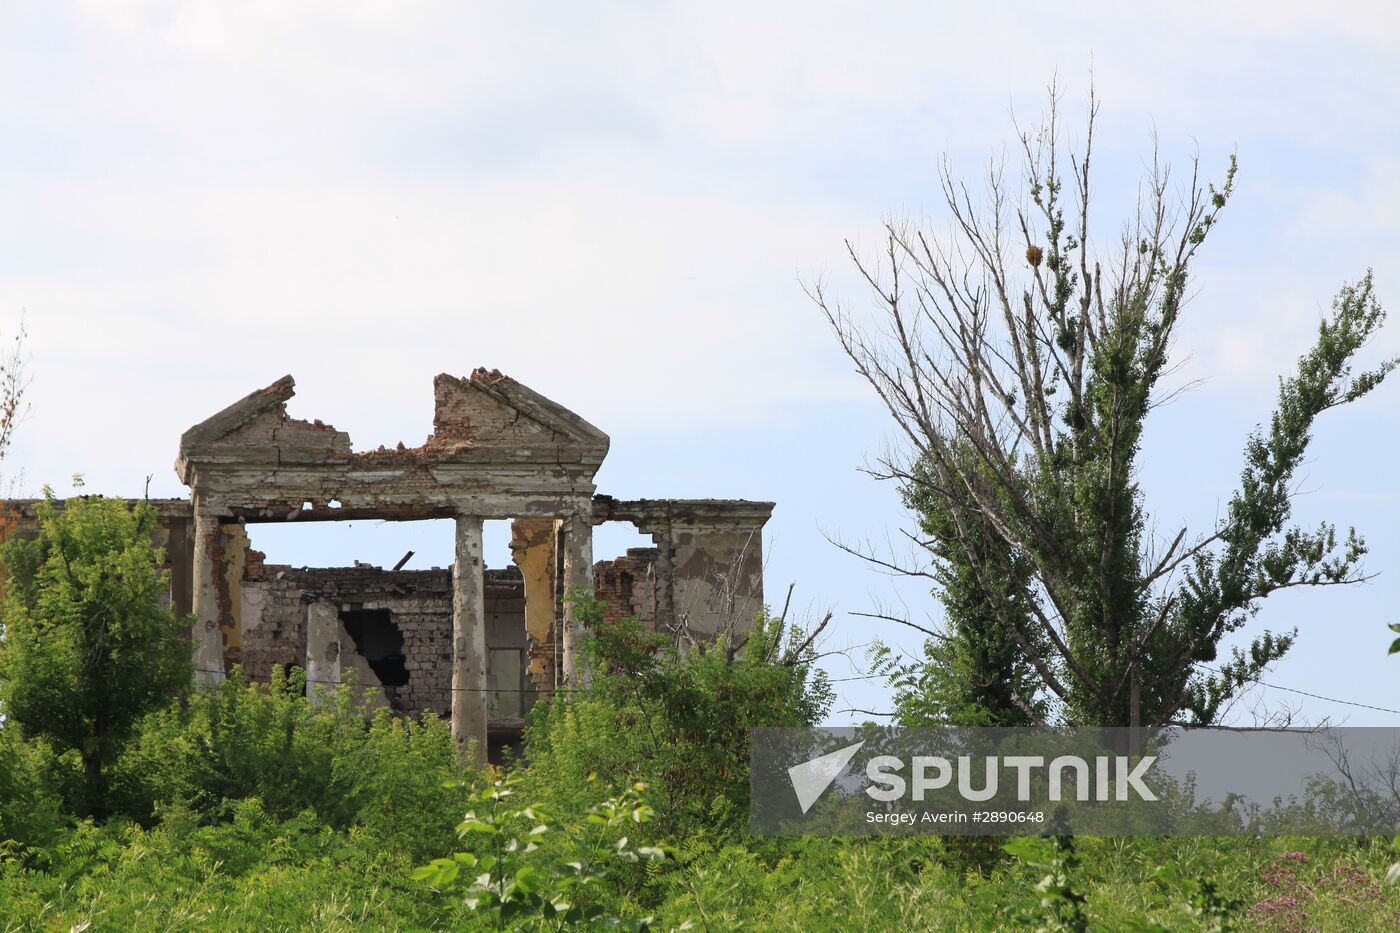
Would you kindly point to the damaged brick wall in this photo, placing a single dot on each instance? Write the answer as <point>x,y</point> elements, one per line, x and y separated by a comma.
<point>627,586</point>
<point>419,602</point>
<point>709,561</point>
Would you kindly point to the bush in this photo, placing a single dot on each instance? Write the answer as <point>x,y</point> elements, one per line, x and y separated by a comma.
<point>526,868</point>
<point>245,740</point>
<point>677,722</point>
<point>252,872</point>
<point>31,793</point>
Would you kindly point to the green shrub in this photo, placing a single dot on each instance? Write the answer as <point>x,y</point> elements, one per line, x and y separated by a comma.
<point>31,793</point>
<point>678,722</point>
<point>513,878</point>
<point>245,740</point>
<point>252,872</point>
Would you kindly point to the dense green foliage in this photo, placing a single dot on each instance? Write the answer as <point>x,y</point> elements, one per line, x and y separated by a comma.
<point>31,791</point>
<point>244,741</point>
<point>678,724</point>
<point>513,881</point>
<point>244,807</point>
<point>88,648</point>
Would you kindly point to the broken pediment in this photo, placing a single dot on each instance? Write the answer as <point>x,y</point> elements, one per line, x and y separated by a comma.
<point>275,429</point>
<point>490,435</point>
<point>491,409</point>
<point>252,407</point>
<point>257,430</point>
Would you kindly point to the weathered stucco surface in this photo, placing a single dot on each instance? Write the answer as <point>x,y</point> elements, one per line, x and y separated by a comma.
<point>534,548</point>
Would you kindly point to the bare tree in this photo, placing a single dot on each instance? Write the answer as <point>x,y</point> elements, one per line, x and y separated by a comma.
<point>14,386</point>
<point>1018,357</point>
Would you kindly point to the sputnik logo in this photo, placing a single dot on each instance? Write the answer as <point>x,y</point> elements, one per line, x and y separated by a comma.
<point>811,778</point>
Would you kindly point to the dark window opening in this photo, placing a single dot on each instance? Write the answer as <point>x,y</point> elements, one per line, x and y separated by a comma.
<point>379,641</point>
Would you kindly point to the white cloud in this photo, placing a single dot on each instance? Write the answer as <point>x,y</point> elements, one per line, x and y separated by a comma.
<point>332,187</point>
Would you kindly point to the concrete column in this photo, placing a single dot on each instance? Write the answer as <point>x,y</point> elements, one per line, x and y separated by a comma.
<point>207,635</point>
<point>665,583</point>
<point>233,563</point>
<point>578,575</point>
<point>322,650</point>
<point>469,641</point>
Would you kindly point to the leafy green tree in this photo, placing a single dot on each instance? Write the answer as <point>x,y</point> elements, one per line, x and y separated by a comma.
<point>1019,358</point>
<point>973,673</point>
<point>88,647</point>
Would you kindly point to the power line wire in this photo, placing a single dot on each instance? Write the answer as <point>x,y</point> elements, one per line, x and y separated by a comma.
<point>1318,696</point>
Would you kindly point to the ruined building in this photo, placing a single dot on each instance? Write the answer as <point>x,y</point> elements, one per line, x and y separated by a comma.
<point>474,644</point>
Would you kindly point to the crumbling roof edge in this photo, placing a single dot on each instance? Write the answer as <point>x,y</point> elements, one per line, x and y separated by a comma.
<point>655,512</point>
<point>233,417</point>
<point>165,508</point>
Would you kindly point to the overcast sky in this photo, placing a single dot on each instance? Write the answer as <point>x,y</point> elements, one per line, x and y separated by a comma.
<point>616,204</point>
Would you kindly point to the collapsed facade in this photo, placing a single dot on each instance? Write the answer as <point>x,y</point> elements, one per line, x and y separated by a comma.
<point>474,644</point>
